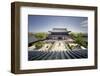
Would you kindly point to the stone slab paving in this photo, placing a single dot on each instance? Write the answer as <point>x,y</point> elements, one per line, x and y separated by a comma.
<point>59,46</point>
<point>45,47</point>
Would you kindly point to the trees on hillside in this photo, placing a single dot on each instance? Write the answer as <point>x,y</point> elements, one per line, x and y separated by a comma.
<point>40,36</point>
<point>78,37</point>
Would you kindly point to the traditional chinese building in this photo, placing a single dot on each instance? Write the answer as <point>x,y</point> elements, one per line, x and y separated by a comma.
<point>59,34</point>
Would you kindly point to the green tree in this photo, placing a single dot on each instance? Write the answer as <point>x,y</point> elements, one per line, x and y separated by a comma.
<point>39,44</point>
<point>73,35</point>
<point>40,35</point>
<point>80,40</point>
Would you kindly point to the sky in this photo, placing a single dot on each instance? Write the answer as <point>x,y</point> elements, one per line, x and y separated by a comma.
<point>44,23</point>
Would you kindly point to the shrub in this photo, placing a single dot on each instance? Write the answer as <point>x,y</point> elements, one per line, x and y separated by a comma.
<point>69,46</point>
<point>39,44</point>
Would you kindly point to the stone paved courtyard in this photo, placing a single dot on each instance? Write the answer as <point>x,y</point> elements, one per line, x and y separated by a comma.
<point>57,50</point>
<point>58,46</point>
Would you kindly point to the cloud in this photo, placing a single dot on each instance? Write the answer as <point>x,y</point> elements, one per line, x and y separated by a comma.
<point>84,23</point>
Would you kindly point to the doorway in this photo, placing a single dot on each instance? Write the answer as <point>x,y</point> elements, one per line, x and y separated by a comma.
<point>59,38</point>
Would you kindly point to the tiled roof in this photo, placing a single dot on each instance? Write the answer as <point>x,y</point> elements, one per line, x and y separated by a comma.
<point>59,30</point>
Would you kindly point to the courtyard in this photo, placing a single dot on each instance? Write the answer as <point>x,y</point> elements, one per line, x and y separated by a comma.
<point>57,49</point>
<point>59,43</point>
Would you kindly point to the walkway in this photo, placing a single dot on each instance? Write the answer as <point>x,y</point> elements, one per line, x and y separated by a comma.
<point>58,46</point>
